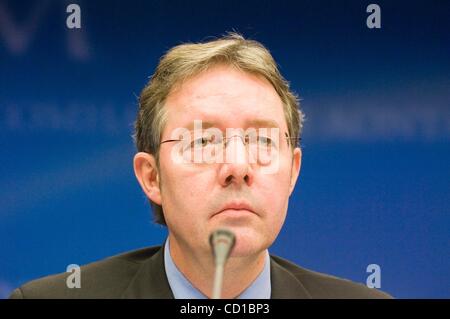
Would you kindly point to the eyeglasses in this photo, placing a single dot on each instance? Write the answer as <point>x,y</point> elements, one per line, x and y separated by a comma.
<point>208,146</point>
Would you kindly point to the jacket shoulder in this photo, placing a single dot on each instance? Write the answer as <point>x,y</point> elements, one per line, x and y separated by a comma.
<point>106,278</point>
<point>324,286</point>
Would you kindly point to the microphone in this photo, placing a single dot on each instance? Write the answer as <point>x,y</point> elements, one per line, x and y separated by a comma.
<point>222,242</point>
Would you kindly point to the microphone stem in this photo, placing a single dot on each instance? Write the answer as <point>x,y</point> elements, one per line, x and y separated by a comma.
<point>218,279</point>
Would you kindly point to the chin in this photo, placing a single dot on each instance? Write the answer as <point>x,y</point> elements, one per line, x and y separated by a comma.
<point>248,244</point>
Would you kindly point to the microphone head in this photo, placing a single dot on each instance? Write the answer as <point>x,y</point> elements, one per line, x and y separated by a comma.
<point>222,242</point>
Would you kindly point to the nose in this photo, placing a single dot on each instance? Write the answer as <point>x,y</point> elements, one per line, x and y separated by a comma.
<point>236,168</point>
<point>235,151</point>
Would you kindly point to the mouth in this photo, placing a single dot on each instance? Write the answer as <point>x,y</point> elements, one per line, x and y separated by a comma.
<point>236,209</point>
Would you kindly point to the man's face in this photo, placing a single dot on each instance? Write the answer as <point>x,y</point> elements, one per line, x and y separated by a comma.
<point>193,195</point>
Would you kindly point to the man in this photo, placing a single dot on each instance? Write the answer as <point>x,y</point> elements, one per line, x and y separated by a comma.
<point>217,137</point>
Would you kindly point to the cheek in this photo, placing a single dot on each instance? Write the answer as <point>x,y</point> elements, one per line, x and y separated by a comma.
<point>183,190</point>
<point>278,179</point>
<point>275,192</point>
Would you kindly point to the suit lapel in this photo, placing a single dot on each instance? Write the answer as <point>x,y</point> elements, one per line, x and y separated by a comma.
<point>284,284</point>
<point>150,282</point>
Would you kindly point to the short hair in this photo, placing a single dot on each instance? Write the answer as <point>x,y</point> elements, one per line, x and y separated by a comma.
<point>190,59</point>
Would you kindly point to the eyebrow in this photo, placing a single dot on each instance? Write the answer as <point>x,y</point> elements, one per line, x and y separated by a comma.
<point>205,124</point>
<point>264,123</point>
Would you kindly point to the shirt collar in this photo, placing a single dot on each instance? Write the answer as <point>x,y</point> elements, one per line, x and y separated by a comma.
<point>183,289</point>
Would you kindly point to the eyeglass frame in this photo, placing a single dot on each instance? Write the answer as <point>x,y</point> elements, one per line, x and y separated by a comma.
<point>288,138</point>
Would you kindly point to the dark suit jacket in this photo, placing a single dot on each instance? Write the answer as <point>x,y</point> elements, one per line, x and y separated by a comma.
<point>141,274</point>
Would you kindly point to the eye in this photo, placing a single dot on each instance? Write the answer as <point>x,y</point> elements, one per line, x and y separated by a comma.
<point>265,141</point>
<point>201,142</point>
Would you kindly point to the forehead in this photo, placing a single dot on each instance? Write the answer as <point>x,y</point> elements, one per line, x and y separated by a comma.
<point>225,97</point>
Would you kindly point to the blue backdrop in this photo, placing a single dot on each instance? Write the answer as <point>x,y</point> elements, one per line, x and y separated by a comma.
<point>374,185</point>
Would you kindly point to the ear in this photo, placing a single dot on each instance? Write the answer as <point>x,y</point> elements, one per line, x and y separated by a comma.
<point>295,168</point>
<point>147,175</point>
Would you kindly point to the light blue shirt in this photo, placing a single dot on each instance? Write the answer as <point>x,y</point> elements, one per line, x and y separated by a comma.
<point>183,289</point>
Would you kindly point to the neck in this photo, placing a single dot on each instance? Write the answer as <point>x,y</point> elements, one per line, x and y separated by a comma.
<point>199,269</point>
